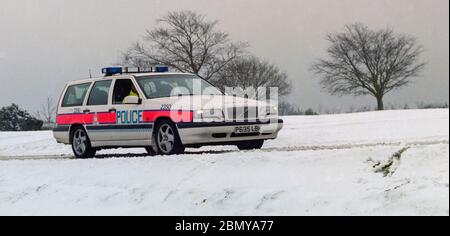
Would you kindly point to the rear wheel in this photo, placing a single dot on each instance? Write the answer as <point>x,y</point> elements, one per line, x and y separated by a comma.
<point>167,139</point>
<point>250,145</point>
<point>81,145</point>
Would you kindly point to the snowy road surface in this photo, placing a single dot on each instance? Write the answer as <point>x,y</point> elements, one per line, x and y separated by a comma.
<point>319,165</point>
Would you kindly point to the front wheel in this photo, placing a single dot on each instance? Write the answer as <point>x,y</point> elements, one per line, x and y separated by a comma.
<point>167,139</point>
<point>81,145</point>
<point>251,145</point>
<point>150,150</point>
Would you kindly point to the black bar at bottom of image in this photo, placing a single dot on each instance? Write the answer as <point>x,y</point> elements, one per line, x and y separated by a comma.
<point>222,225</point>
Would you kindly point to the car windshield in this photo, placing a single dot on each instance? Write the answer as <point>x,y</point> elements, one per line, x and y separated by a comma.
<point>157,86</point>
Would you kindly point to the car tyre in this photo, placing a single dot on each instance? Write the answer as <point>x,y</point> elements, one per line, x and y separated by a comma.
<point>251,145</point>
<point>167,139</point>
<point>81,145</point>
<point>150,150</point>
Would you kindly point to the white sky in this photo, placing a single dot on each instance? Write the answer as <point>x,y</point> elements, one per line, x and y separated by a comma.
<point>44,43</point>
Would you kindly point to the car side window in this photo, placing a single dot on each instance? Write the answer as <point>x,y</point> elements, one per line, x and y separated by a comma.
<point>75,95</point>
<point>99,93</point>
<point>122,89</point>
<point>150,88</point>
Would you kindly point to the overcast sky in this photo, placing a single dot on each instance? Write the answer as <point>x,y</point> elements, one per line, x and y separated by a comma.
<point>44,43</point>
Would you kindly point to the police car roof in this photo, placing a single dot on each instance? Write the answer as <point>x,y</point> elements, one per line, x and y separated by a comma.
<point>126,75</point>
<point>156,74</point>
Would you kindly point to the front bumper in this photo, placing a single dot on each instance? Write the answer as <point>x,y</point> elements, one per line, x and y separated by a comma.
<point>223,132</point>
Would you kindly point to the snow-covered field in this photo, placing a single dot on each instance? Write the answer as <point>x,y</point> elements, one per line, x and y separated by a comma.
<point>319,165</point>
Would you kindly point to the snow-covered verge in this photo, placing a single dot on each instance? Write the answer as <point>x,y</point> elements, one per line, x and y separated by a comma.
<point>319,166</point>
<point>299,131</point>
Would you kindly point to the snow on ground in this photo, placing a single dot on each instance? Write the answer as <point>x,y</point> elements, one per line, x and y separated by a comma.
<point>328,130</point>
<point>319,165</point>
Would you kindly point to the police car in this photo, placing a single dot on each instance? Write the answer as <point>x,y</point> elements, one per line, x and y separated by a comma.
<point>160,111</point>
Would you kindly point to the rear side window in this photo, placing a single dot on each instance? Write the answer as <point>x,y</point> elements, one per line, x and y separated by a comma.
<point>75,95</point>
<point>99,93</point>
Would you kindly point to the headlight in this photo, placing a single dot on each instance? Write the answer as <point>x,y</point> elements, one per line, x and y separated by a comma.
<point>209,115</point>
<point>273,110</point>
<point>269,110</point>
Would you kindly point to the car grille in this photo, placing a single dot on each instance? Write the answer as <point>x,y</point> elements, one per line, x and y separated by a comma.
<point>242,113</point>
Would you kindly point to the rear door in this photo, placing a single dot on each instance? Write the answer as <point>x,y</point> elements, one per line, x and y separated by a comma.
<point>71,108</point>
<point>98,104</point>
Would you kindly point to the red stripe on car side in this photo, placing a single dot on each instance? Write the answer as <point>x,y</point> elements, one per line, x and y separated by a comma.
<point>106,117</point>
<point>68,119</point>
<point>110,118</point>
<point>175,116</point>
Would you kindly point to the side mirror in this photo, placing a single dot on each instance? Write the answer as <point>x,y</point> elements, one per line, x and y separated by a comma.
<point>132,100</point>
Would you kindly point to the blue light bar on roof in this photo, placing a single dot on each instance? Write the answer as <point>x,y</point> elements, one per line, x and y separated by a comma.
<point>108,71</point>
<point>161,69</point>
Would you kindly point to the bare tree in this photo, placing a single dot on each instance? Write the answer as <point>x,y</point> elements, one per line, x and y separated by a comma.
<point>366,62</point>
<point>187,42</point>
<point>251,71</point>
<point>47,111</point>
<point>286,108</point>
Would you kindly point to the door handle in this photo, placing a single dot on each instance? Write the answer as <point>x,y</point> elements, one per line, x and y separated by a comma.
<point>112,110</point>
<point>86,111</point>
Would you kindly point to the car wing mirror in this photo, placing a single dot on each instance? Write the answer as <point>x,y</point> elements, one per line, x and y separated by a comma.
<point>132,100</point>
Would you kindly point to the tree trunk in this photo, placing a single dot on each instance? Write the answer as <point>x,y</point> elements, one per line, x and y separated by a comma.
<point>380,104</point>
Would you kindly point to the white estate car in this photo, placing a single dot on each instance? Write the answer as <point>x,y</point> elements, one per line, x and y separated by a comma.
<point>160,111</point>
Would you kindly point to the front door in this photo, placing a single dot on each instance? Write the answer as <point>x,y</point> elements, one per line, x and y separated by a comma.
<point>130,129</point>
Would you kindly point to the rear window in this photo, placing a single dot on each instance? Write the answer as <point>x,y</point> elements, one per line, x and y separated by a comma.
<point>99,93</point>
<point>75,95</point>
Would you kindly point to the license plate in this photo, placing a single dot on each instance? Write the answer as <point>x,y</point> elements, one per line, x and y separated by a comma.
<point>247,129</point>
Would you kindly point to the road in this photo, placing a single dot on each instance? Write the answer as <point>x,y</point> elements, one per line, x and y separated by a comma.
<point>292,148</point>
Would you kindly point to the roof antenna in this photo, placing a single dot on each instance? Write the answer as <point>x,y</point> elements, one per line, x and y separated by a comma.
<point>90,73</point>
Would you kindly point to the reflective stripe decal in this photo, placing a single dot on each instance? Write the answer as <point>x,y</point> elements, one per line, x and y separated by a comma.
<point>68,119</point>
<point>141,127</point>
<point>119,127</point>
<point>148,116</point>
<point>222,124</point>
<point>175,116</point>
<point>86,118</point>
<point>106,118</point>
